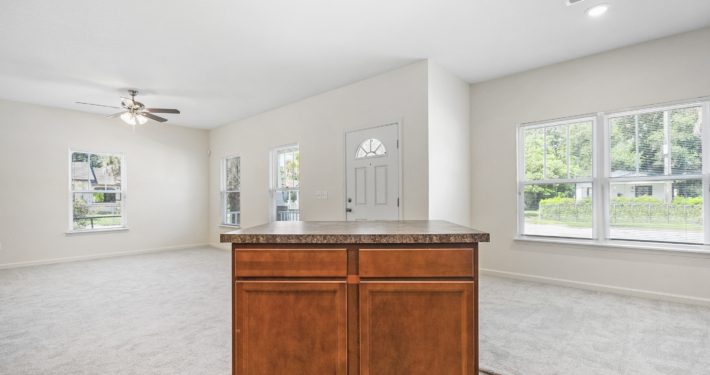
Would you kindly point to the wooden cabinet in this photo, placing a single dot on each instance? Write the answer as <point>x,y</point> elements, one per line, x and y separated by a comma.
<point>290,328</point>
<point>415,328</point>
<point>416,263</point>
<point>393,309</point>
<point>277,262</point>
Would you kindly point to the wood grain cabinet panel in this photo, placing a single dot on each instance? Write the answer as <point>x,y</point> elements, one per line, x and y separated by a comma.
<point>416,262</point>
<point>290,263</point>
<point>417,328</point>
<point>290,328</point>
<point>344,309</point>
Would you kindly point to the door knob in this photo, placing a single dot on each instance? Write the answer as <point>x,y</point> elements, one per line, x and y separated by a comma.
<point>348,209</point>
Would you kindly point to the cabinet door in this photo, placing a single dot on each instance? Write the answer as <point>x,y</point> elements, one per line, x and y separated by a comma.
<point>417,328</point>
<point>290,328</point>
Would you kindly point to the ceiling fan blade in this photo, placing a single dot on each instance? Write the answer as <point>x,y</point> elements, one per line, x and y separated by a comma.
<point>115,114</point>
<point>153,117</point>
<point>162,110</point>
<point>98,105</point>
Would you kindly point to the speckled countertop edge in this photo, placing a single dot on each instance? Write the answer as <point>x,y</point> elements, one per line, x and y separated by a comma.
<point>412,232</point>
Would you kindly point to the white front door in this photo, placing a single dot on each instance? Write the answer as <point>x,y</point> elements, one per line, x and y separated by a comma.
<point>372,173</point>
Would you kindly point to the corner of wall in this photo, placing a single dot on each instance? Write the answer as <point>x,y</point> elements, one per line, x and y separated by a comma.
<point>448,140</point>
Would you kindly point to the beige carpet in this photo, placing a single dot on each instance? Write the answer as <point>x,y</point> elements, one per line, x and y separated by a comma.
<point>169,313</point>
<point>537,329</point>
<point>160,313</point>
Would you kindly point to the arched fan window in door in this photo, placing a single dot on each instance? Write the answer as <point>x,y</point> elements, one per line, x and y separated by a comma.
<point>370,148</point>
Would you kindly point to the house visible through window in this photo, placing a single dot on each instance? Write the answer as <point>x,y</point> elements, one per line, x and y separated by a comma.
<point>231,196</point>
<point>286,183</point>
<point>649,185</point>
<point>97,191</point>
<point>643,190</point>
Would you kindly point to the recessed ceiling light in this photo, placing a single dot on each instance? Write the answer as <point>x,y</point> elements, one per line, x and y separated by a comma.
<point>597,10</point>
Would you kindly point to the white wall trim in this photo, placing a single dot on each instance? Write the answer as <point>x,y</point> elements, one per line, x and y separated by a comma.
<point>220,246</point>
<point>98,256</point>
<point>600,287</point>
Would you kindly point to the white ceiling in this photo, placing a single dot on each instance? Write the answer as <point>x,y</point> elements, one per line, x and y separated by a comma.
<point>223,60</point>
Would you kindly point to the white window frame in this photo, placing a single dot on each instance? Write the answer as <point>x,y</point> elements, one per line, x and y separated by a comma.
<point>273,189</point>
<point>522,180</point>
<point>223,191</point>
<point>702,176</point>
<point>124,195</point>
<point>601,180</point>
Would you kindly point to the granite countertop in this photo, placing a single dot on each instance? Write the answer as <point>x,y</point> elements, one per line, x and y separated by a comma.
<point>361,232</point>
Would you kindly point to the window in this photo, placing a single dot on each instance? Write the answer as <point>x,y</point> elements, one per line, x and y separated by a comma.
<point>557,181</point>
<point>231,182</point>
<point>370,148</point>
<point>285,183</point>
<point>658,150</point>
<point>647,184</point>
<point>97,191</point>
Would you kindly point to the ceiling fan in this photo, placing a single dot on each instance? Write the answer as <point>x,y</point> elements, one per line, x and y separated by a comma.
<point>134,112</point>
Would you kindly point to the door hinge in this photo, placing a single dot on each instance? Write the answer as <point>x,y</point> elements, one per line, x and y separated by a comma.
<point>397,202</point>
<point>398,143</point>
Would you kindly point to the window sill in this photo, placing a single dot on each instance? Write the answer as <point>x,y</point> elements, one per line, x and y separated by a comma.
<point>230,226</point>
<point>90,231</point>
<point>669,248</point>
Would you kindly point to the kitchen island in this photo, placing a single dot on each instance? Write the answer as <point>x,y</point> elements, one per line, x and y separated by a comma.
<point>348,298</point>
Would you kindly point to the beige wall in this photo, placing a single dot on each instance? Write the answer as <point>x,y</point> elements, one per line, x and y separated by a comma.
<point>670,69</point>
<point>449,147</point>
<point>167,184</point>
<point>318,124</point>
<point>173,186</point>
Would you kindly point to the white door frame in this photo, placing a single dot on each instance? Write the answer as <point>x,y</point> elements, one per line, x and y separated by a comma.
<point>400,206</point>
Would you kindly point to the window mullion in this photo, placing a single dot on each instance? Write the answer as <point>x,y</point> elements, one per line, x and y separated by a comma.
<point>667,165</point>
<point>601,164</point>
<point>521,178</point>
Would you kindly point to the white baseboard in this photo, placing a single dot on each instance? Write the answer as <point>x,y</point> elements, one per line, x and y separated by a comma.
<point>220,246</point>
<point>601,287</point>
<point>98,256</point>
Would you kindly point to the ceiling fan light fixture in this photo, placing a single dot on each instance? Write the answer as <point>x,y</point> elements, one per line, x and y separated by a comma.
<point>134,112</point>
<point>598,10</point>
<point>133,119</point>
